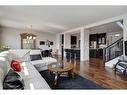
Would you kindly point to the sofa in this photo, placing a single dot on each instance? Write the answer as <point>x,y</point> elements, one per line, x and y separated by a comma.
<point>121,65</point>
<point>30,75</point>
<point>41,63</point>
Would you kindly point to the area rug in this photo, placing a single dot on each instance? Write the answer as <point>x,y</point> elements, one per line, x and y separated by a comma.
<point>77,82</point>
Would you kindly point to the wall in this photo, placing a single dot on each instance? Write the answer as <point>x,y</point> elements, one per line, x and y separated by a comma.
<point>67,41</point>
<point>44,37</point>
<point>0,36</point>
<point>11,38</point>
<point>111,38</point>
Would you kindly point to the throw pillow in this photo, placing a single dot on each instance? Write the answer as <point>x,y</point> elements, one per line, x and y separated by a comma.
<point>15,65</point>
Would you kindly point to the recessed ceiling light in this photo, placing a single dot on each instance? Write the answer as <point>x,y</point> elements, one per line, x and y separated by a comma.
<point>117,35</point>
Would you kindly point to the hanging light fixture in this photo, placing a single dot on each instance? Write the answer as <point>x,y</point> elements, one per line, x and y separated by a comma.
<point>34,38</point>
<point>30,35</point>
<point>27,37</point>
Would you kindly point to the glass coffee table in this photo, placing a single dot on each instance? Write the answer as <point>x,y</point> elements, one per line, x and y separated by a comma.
<point>60,68</point>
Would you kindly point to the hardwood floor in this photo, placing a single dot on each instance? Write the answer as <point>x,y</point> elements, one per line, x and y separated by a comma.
<point>98,73</point>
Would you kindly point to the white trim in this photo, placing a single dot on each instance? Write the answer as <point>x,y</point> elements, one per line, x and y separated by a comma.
<point>72,30</point>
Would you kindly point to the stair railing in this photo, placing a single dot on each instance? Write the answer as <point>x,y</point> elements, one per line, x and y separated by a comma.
<point>114,50</point>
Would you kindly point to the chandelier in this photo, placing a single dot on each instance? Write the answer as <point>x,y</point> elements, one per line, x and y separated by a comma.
<point>30,35</point>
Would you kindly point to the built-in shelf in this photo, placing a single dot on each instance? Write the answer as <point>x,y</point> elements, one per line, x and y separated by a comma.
<point>97,41</point>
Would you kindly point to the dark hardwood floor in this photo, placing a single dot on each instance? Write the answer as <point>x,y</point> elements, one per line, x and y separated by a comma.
<point>98,73</point>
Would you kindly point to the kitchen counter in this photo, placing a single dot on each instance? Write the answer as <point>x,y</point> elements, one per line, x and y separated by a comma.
<point>95,48</point>
<point>73,48</point>
<point>96,52</point>
<point>72,53</point>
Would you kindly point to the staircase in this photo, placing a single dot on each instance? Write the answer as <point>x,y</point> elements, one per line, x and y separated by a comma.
<point>114,50</point>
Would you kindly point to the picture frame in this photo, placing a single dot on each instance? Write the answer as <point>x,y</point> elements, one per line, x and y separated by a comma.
<point>51,43</point>
<point>42,42</point>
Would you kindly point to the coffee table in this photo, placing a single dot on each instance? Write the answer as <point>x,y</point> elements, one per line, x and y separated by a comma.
<point>60,68</point>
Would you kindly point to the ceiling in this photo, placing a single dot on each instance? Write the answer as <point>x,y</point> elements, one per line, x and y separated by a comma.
<point>106,28</point>
<point>55,19</point>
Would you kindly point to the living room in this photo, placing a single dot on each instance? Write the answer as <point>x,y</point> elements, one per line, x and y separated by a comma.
<point>33,41</point>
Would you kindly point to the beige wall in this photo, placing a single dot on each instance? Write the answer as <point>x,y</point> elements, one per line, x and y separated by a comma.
<point>11,37</point>
<point>0,36</point>
<point>67,41</point>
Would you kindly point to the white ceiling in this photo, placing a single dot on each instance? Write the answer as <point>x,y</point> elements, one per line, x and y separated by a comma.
<point>106,28</point>
<point>55,19</point>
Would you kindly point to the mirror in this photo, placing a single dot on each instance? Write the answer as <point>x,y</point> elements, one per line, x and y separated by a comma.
<point>28,41</point>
